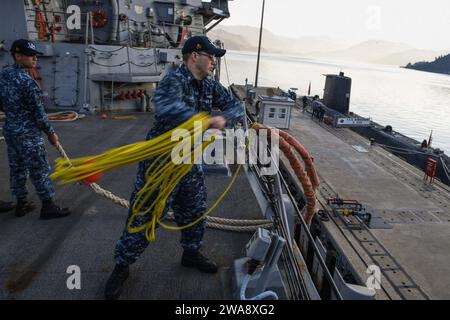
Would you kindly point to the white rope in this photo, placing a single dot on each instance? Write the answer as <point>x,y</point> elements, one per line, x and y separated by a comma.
<point>238,222</point>
<point>236,225</point>
<point>109,195</point>
<point>95,187</point>
<point>249,229</point>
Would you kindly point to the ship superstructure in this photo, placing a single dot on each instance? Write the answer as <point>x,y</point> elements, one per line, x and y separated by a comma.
<point>105,55</point>
<point>110,55</point>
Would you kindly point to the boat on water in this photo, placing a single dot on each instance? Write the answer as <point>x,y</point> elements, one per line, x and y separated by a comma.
<point>378,231</point>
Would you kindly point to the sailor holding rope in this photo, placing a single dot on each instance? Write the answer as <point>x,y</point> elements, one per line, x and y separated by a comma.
<point>179,96</point>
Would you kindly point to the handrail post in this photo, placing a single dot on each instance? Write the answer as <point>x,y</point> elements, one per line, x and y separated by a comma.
<point>128,48</point>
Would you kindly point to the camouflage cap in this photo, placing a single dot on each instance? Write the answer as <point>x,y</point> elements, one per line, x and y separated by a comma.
<point>202,44</point>
<point>25,47</point>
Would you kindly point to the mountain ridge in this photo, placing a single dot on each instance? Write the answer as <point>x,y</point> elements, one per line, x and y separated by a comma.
<point>441,64</point>
<point>245,38</point>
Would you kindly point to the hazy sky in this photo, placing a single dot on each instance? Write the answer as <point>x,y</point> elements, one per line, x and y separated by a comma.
<point>422,24</point>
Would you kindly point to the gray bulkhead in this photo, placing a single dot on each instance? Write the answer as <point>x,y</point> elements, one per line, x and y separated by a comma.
<point>117,62</point>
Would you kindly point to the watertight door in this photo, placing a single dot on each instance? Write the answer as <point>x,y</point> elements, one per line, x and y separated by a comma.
<point>66,81</point>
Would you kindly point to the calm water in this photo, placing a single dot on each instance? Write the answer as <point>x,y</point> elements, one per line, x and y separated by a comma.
<point>412,102</point>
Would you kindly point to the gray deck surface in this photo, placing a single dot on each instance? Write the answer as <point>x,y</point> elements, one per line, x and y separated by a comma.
<point>419,215</point>
<point>413,254</point>
<point>35,254</point>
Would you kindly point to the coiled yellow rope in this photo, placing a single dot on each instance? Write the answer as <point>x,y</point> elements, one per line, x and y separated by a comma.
<point>81,168</point>
<point>162,176</point>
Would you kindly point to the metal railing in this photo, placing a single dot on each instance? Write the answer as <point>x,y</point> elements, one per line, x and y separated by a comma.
<point>296,282</point>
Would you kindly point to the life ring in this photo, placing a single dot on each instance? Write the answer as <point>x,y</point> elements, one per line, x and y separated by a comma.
<point>99,18</point>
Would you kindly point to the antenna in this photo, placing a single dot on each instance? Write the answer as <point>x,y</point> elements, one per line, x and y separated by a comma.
<point>430,139</point>
<point>259,44</point>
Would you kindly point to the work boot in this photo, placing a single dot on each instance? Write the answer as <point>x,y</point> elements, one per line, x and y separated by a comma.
<point>199,261</point>
<point>23,207</point>
<point>52,211</point>
<point>114,285</point>
<point>6,206</point>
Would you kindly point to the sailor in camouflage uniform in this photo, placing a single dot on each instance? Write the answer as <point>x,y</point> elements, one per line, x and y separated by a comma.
<point>21,100</point>
<point>179,96</point>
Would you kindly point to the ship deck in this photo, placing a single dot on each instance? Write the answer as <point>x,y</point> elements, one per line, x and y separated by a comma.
<point>410,244</point>
<point>35,254</point>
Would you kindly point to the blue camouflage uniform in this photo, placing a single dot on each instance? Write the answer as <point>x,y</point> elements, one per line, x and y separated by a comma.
<point>177,98</point>
<point>21,100</point>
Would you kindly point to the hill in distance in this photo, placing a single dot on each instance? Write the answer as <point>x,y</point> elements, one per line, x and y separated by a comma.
<point>245,38</point>
<point>439,65</point>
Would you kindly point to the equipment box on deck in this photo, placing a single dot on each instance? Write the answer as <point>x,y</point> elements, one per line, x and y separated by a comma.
<point>275,111</point>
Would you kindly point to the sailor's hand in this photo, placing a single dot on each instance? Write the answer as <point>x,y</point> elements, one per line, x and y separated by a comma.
<point>217,122</point>
<point>53,138</point>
